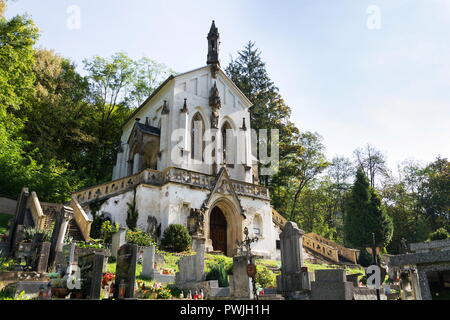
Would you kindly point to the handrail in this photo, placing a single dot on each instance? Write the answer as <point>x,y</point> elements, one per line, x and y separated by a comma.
<point>278,219</point>
<point>81,218</point>
<point>347,253</point>
<point>321,248</point>
<point>36,211</point>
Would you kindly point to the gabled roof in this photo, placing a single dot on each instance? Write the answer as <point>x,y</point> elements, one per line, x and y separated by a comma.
<point>172,77</point>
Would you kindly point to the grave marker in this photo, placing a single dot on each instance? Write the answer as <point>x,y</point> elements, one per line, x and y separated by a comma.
<point>91,274</point>
<point>294,278</point>
<point>125,272</point>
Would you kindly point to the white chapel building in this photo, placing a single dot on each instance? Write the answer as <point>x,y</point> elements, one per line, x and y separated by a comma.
<point>186,158</point>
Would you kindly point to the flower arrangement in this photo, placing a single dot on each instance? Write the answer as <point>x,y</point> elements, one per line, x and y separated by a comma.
<point>153,291</point>
<point>108,278</point>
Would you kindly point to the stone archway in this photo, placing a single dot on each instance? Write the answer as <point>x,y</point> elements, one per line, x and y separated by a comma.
<point>224,226</point>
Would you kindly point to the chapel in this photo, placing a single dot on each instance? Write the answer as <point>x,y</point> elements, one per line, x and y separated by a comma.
<point>185,157</point>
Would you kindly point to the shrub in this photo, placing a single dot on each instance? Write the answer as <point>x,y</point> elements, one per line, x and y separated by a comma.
<point>108,229</point>
<point>218,272</point>
<point>439,234</point>
<point>265,277</point>
<point>93,244</point>
<point>31,232</point>
<point>140,238</point>
<point>176,238</point>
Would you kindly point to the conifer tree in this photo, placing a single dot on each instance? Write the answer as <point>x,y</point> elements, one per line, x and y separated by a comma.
<point>364,215</point>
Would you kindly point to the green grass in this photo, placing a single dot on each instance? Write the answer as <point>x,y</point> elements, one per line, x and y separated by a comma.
<point>4,220</point>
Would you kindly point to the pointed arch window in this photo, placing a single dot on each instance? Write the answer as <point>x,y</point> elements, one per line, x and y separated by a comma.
<point>227,144</point>
<point>197,137</point>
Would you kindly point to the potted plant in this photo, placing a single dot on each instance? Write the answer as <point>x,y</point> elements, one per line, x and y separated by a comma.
<point>59,289</point>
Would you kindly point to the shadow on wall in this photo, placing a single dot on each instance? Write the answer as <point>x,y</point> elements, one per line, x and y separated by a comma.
<point>7,205</point>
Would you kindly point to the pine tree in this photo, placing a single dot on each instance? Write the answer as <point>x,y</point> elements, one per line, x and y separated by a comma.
<point>364,216</point>
<point>269,111</point>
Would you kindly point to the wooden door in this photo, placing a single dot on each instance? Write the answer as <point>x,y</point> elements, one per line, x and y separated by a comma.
<point>218,230</point>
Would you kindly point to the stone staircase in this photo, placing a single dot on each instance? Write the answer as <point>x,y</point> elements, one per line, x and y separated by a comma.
<point>44,215</point>
<point>74,231</point>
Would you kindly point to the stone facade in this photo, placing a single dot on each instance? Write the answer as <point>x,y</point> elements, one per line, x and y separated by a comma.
<point>188,148</point>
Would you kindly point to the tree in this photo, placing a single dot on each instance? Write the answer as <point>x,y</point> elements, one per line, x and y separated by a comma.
<point>18,159</point>
<point>116,85</point>
<point>364,216</point>
<point>269,111</point>
<point>434,193</point>
<point>307,166</point>
<point>372,161</point>
<point>148,76</point>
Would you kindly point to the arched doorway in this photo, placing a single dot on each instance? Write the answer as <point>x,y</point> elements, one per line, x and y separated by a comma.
<point>218,230</point>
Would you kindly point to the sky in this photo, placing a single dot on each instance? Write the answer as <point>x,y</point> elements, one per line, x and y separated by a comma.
<point>356,72</point>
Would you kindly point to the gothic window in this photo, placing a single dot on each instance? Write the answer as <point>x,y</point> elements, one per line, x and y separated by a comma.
<point>197,134</point>
<point>227,144</point>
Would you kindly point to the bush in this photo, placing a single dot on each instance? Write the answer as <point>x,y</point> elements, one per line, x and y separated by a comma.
<point>140,238</point>
<point>265,277</point>
<point>108,229</point>
<point>218,272</point>
<point>176,238</point>
<point>31,232</point>
<point>439,234</point>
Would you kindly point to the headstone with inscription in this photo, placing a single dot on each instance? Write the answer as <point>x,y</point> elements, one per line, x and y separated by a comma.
<point>91,274</point>
<point>125,272</point>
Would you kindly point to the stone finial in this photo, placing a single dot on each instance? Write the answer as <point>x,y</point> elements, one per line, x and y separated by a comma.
<point>165,109</point>
<point>185,108</point>
<point>213,45</point>
<point>244,125</point>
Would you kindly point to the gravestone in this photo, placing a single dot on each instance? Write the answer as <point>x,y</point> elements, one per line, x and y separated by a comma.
<point>241,284</point>
<point>191,268</point>
<point>331,285</point>
<point>41,264</point>
<point>294,278</point>
<point>118,240</point>
<point>17,221</point>
<point>32,256</point>
<point>59,233</point>
<point>125,271</point>
<point>67,257</point>
<point>91,274</point>
<point>148,262</point>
